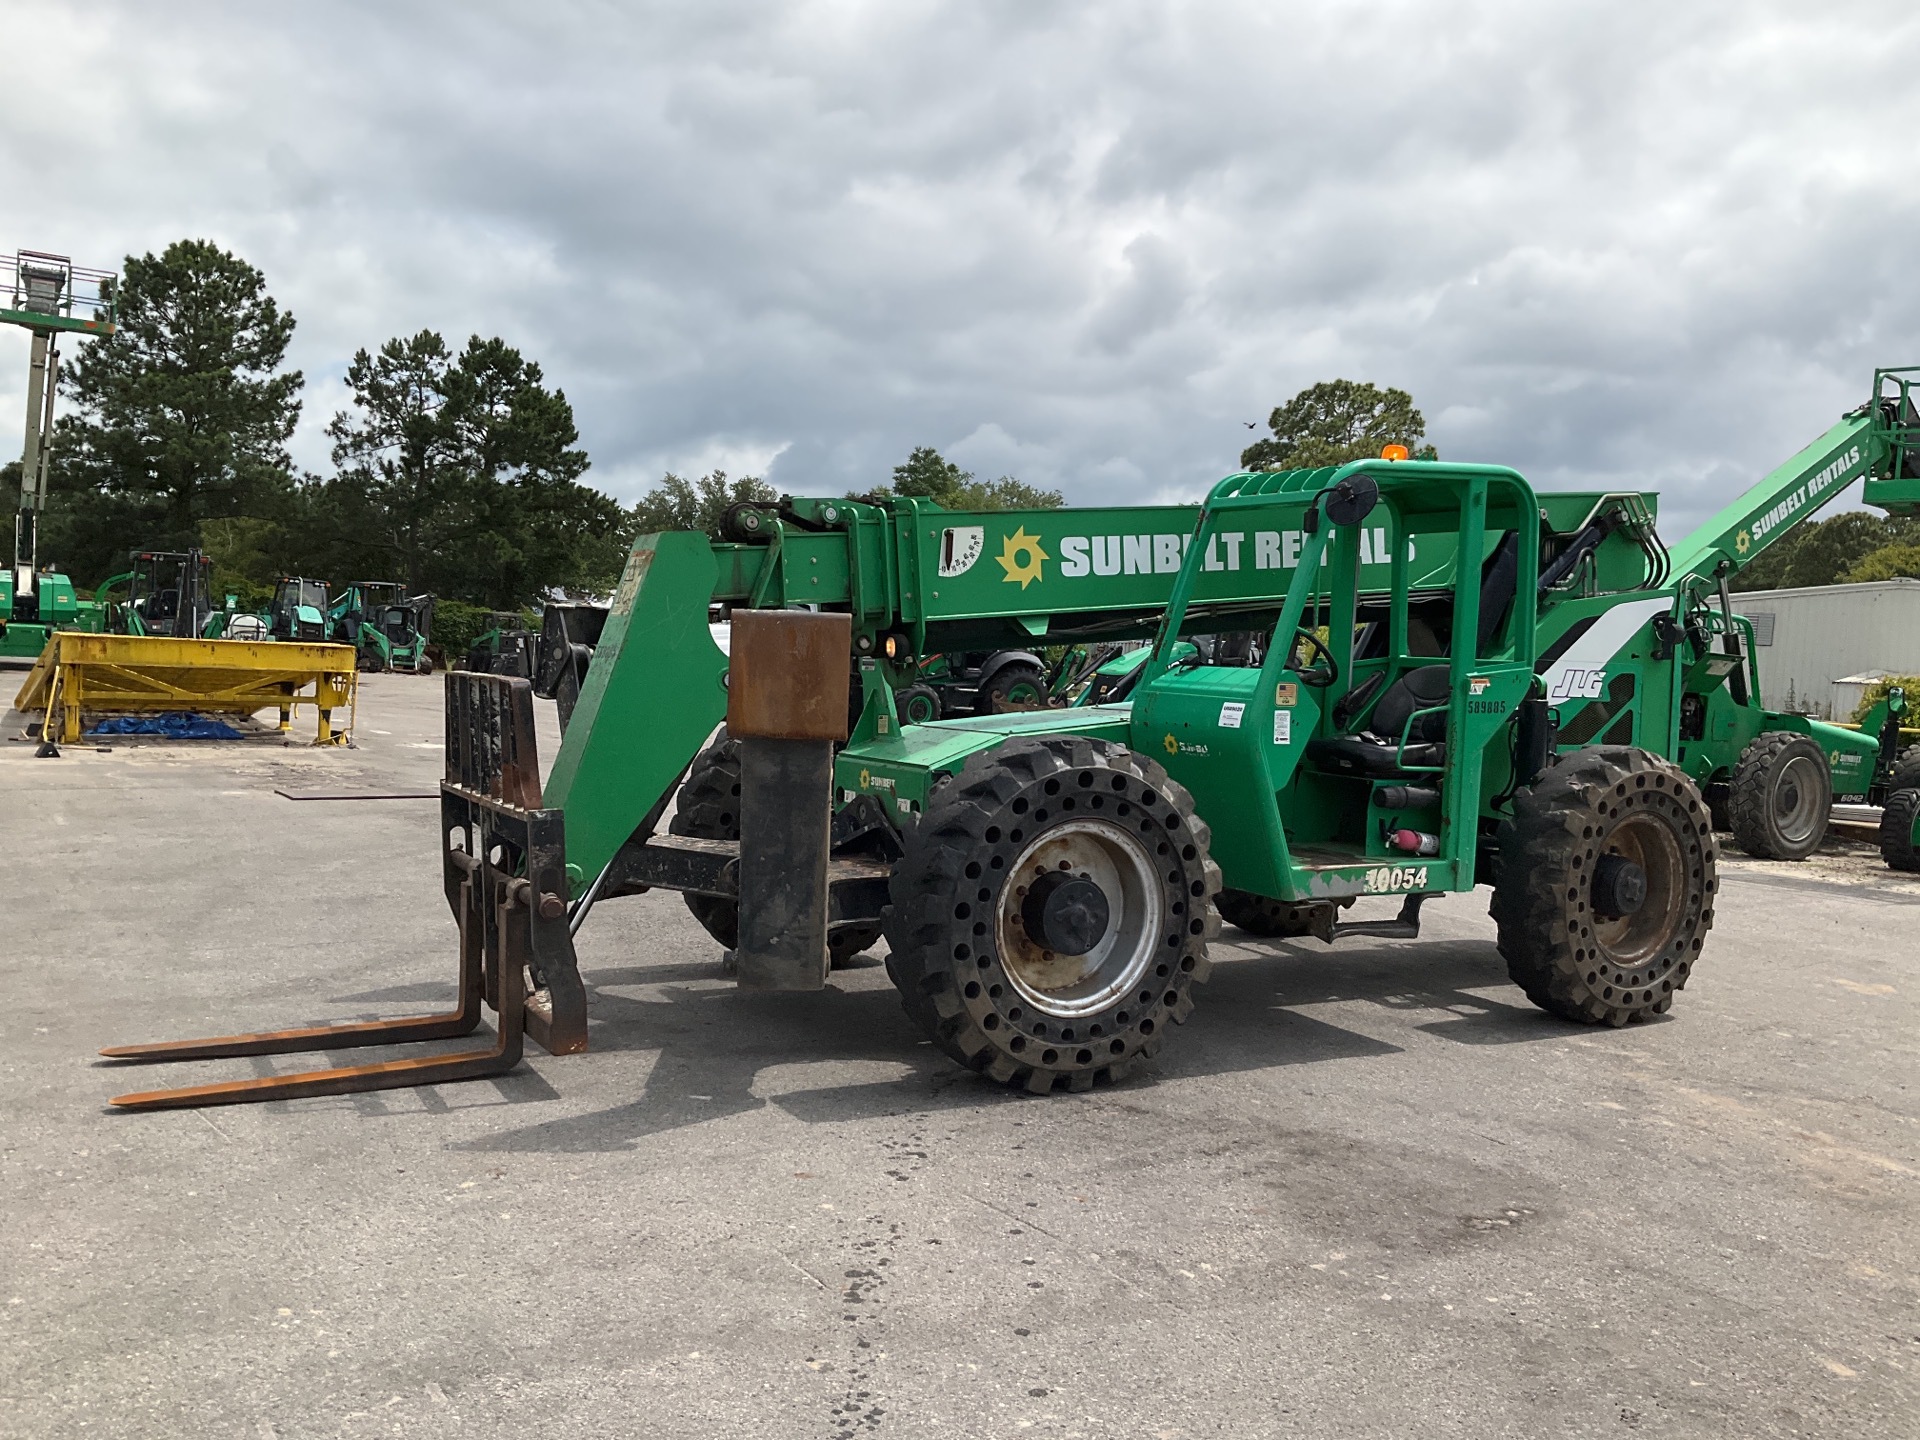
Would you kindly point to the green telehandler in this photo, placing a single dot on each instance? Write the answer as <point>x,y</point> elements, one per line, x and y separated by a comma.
<point>1396,678</point>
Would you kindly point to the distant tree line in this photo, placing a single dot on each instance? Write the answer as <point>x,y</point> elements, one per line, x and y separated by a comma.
<point>1849,548</point>
<point>453,471</point>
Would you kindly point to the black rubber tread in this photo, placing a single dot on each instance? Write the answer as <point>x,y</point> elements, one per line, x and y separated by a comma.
<point>708,807</point>
<point>1716,798</point>
<point>944,956</point>
<point>1262,915</point>
<point>1906,770</point>
<point>1898,818</point>
<point>1750,796</point>
<point>992,699</point>
<point>917,698</point>
<point>1543,891</point>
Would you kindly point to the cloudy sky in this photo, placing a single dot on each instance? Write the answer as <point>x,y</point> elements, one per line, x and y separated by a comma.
<point>1622,243</point>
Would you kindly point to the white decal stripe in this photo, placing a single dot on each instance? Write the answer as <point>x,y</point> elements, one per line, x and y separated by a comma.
<point>1603,640</point>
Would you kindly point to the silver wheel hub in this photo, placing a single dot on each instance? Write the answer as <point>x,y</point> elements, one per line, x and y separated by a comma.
<point>1089,851</point>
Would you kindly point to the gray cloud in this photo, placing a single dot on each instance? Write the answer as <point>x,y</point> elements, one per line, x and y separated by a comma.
<point>1623,243</point>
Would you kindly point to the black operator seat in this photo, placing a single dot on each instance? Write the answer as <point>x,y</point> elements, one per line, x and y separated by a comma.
<point>1374,751</point>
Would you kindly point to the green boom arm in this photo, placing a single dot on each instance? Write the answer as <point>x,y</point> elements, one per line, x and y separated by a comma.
<point>1879,442</point>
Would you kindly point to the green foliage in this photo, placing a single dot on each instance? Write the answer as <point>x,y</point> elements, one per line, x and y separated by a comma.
<point>458,475</point>
<point>1826,552</point>
<point>180,417</point>
<point>680,504</point>
<point>246,552</point>
<point>456,625</point>
<point>929,475</point>
<point>1877,691</point>
<point>1336,421</point>
<point>1889,562</point>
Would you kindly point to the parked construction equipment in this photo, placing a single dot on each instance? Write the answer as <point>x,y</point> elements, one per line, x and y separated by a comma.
<point>569,631</point>
<point>49,296</point>
<point>299,610</point>
<point>1394,678</point>
<point>506,647</point>
<point>167,593</point>
<point>389,628</point>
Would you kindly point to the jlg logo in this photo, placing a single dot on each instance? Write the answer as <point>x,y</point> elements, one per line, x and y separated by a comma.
<point>1579,685</point>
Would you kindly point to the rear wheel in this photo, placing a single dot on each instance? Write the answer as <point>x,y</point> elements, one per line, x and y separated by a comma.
<point>1261,915</point>
<point>1900,830</point>
<point>1906,771</point>
<point>708,808</point>
<point>917,705</point>
<point>1050,916</point>
<point>1781,796</point>
<point>1018,686</point>
<point>1605,887</point>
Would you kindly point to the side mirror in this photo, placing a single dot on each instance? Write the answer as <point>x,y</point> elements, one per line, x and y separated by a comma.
<point>1352,500</point>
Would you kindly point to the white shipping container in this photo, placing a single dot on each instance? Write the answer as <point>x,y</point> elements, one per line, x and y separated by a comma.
<point>1811,641</point>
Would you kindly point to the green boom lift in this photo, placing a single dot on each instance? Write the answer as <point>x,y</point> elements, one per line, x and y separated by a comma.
<point>49,296</point>
<point>1395,678</point>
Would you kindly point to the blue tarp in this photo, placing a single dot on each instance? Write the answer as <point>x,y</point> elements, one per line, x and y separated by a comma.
<point>175,725</point>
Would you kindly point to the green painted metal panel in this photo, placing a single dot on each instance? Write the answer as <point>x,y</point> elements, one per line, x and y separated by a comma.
<point>1788,494</point>
<point>901,766</point>
<point>653,694</point>
<point>35,320</point>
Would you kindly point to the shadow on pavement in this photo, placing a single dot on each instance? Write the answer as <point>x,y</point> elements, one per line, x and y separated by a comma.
<point>718,1048</point>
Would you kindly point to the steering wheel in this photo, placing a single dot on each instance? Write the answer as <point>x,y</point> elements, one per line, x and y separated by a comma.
<point>1324,670</point>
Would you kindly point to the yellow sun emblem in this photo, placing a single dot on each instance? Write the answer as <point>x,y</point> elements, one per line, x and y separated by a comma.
<point>1026,570</point>
<point>1173,745</point>
<point>1742,542</point>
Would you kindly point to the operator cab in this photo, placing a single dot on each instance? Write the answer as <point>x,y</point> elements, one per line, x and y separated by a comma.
<point>1371,712</point>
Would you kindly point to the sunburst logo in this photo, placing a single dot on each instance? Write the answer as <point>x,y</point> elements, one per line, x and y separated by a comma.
<point>1020,556</point>
<point>1172,745</point>
<point>1743,542</point>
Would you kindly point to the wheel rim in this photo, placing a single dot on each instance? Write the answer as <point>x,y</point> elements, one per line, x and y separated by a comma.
<point>1067,986</point>
<point>1796,799</point>
<point>1636,939</point>
<point>919,710</point>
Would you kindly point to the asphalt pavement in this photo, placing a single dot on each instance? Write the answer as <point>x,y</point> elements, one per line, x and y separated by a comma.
<point>1367,1191</point>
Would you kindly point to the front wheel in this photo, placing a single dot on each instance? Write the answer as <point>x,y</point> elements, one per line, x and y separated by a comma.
<point>1605,886</point>
<point>1900,830</point>
<point>1051,914</point>
<point>1780,797</point>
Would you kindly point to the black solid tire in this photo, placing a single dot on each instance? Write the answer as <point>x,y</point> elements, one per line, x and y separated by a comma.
<point>1898,820</point>
<point>1569,959</point>
<point>1715,795</point>
<point>1773,816</point>
<point>917,704</point>
<point>995,697</point>
<point>1262,915</point>
<point>954,894</point>
<point>708,807</point>
<point>1906,770</point>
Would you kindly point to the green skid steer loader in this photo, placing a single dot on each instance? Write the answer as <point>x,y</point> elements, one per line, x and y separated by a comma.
<point>1395,678</point>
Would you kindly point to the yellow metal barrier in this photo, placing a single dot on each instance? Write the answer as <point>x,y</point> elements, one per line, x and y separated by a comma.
<point>150,674</point>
